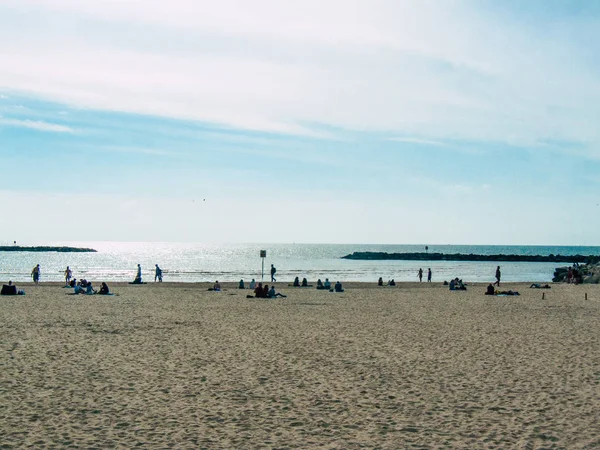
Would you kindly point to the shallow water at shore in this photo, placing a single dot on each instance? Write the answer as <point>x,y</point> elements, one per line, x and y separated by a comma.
<point>193,262</point>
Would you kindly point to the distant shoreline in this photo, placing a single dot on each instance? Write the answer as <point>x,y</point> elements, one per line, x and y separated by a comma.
<point>381,256</point>
<point>18,248</point>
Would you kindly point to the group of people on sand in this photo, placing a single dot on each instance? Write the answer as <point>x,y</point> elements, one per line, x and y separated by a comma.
<point>391,282</point>
<point>337,287</point>
<point>491,291</point>
<point>261,291</point>
<point>457,285</point>
<point>297,282</point>
<point>86,287</point>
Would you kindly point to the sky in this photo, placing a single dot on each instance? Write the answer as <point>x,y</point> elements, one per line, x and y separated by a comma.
<point>330,121</point>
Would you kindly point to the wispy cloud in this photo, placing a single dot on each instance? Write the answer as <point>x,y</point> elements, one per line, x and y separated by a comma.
<point>413,140</point>
<point>440,71</point>
<point>36,125</point>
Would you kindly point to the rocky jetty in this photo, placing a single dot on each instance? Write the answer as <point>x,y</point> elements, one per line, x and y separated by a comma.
<point>17,248</point>
<point>586,273</point>
<point>470,257</point>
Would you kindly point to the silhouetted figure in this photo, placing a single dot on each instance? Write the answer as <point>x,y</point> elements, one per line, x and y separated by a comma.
<point>273,270</point>
<point>104,289</point>
<point>420,275</point>
<point>498,274</point>
<point>35,274</point>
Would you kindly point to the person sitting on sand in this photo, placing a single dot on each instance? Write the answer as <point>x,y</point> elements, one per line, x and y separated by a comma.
<point>89,290</point>
<point>391,282</point>
<point>380,281</point>
<point>241,285</point>
<point>265,291</point>
<point>252,284</point>
<point>304,282</point>
<point>327,284</point>
<point>258,290</point>
<point>320,284</point>
<point>452,285</point>
<point>73,282</point>
<point>296,282</point>
<point>78,288</point>
<point>273,294</point>
<point>461,286</point>
<point>338,287</point>
<point>490,290</point>
<point>217,286</point>
<point>11,289</point>
<point>104,289</point>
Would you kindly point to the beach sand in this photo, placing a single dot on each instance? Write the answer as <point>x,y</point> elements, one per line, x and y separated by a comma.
<point>415,366</point>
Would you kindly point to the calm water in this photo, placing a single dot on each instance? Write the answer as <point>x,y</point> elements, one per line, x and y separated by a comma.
<point>192,262</point>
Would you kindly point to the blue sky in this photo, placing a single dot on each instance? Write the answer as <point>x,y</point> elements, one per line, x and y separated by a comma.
<point>440,122</point>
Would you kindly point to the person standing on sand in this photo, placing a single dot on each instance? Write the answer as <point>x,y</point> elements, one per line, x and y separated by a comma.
<point>429,275</point>
<point>68,275</point>
<point>497,276</point>
<point>420,275</point>
<point>158,274</point>
<point>273,270</point>
<point>138,276</point>
<point>35,274</point>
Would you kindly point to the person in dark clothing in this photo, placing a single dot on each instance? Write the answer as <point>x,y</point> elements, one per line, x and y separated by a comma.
<point>489,290</point>
<point>497,276</point>
<point>273,270</point>
<point>104,289</point>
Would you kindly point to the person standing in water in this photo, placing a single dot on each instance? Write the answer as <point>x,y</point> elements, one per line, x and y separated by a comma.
<point>498,276</point>
<point>420,275</point>
<point>35,274</point>
<point>68,275</point>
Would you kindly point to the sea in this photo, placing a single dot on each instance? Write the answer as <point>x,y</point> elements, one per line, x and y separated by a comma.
<point>195,262</point>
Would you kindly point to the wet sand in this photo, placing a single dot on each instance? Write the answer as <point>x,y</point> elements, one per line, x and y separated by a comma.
<point>415,366</point>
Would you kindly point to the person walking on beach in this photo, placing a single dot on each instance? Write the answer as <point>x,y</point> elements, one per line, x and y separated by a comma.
<point>35,274</point>
<point>158,274</point>
<point>68,275</point>
<point>429,275</point>
<point>497,276</point>
<point>273,270</point>
<point>420,275</point>
<point>138,276</point>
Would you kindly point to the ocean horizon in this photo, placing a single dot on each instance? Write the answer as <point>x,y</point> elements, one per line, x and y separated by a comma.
<point>196,262</point>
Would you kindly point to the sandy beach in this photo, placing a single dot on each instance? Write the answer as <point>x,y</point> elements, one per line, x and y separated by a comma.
<point>414,366</point>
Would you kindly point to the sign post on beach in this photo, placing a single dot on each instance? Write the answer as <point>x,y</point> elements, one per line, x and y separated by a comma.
<point>263,255</point>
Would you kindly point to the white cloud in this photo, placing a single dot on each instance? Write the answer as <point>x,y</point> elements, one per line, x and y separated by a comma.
<point>36,125</point>
<point>419,141</point>
<point>438,71</point>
